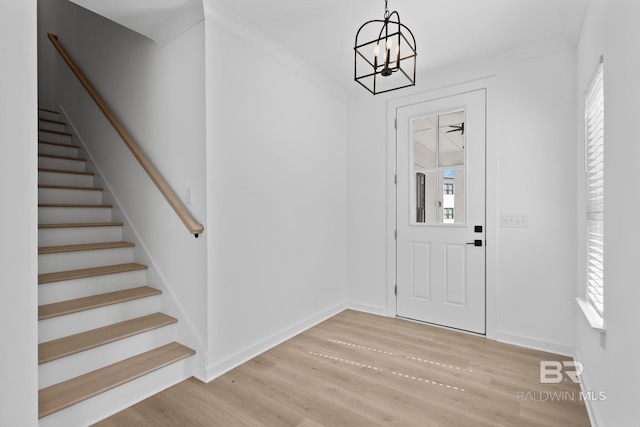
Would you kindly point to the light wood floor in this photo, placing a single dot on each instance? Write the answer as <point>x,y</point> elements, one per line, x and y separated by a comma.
<point>357,369</point>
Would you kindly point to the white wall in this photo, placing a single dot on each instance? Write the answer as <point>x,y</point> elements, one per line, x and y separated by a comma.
<point>18,228</point>
<point>276,145</point>
<point>611,28</point>
<point>531,165</point>
<point>158,94</point>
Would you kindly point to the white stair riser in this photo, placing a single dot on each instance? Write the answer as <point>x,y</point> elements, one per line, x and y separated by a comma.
<point>56,178</point>
<point>48,115</point>
<point>62,326</point>
<point>78,235</point>
<point>63,164</point>
<point>55,215</point>
<point>108,403</point>
<point>58,150</point>
<point>43,135</point>
<point>86,361</point>
<point>63,195</point>
<point>50,263</point>
<point>43,124</point>
<point>50,293</point>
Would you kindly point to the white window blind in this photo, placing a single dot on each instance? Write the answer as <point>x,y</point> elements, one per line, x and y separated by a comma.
<point>594,161</point>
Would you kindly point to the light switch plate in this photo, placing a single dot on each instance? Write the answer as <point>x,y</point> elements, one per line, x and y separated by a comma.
<point>515,221</point>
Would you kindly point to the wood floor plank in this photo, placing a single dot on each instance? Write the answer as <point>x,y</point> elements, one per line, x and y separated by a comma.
<point>75,390</point>
<point>326,377</point>
<point>59,276</point>
<point>83,247</point>
<point>66,346</point>
<point>95,301</point>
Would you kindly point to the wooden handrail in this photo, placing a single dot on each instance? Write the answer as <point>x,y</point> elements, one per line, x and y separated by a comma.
<point>185,216</point>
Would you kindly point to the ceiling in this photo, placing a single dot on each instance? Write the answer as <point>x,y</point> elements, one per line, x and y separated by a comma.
<point>322,32</point>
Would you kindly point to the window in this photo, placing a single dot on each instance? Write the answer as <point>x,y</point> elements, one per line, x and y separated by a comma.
<point>448,188</point>
<point>438,168</point>
<point>594,168</point>
<point>448,213</point>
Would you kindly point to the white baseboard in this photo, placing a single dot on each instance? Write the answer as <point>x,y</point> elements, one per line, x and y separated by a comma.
<point>592,411</point>
<point>371,309</point>
<point>217,369</point>
<point>535,344</point>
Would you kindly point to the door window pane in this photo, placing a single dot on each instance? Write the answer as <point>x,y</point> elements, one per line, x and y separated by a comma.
<point>424,143</point>
<point>453,195</point>
<point>438,164</point>
<point>451,141</point>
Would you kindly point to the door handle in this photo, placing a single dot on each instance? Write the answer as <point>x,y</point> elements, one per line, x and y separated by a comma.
<point>475,243</point>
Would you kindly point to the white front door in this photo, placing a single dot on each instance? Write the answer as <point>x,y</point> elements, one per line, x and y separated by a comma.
<point>441,211</point>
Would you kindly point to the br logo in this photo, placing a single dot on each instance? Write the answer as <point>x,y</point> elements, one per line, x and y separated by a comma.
<point>551,371</point>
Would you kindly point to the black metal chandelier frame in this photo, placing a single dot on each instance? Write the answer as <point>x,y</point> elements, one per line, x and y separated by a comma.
<point>389,30</point>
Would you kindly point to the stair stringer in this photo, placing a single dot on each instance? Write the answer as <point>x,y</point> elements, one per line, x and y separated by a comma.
<point>186,332</point>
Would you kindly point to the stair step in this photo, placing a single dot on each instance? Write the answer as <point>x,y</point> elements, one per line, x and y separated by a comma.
<point>59,213</point>
<point>54,161</point>
<point>55,234</point>
<point>56,156</point>
<point>48,110</point>
<point>84,247</point>
<point>57,122</point>
<point>57,144</point>
<point>70,187</point>
<point>82,224</point>
<point>62,308</point>
<point>60,396</point>
<point>57,132</point>
<point>88,272</point>
<point>74,205</point>
<point>65,171</point>
<point>57,349</point>
<point>65,177</point>
<point>57,149</point>
<point>90,258</point>
<point>52,124</point>
<point>52,193</point>
<point>48,114</point>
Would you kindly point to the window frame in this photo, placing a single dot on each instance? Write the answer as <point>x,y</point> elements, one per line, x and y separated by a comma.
<point>594,146</point>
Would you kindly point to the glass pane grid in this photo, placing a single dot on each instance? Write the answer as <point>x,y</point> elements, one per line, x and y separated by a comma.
<point>438,165</point>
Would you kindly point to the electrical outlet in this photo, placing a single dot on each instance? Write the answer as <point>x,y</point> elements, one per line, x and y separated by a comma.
<point>515,221</point>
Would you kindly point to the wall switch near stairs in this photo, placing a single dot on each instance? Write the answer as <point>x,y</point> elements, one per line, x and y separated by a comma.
<point>515,221</point>
<point>104,343</point>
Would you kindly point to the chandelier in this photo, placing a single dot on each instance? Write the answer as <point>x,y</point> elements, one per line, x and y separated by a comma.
<point>386,59</point>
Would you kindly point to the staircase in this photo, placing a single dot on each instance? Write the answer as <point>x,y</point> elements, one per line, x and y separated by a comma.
<point>103,342</point>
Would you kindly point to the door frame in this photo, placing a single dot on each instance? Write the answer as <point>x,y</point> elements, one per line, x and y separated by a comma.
<point>491,185</point>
